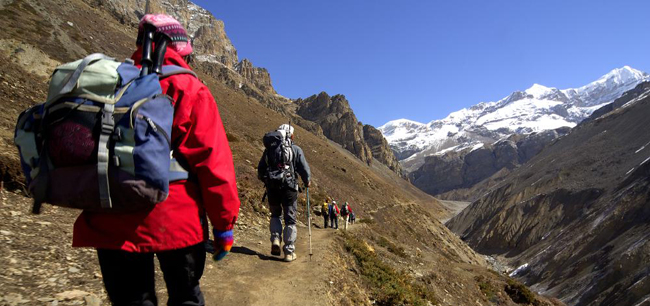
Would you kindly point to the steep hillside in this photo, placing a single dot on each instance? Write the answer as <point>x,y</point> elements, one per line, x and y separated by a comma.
<point>398,253</point>
<point>576,218</point>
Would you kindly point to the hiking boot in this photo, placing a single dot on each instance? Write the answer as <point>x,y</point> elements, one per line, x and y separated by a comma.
<point>275,247</point>
<point>289,257</point>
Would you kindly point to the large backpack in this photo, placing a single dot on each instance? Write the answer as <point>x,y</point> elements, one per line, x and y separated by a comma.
<point>345,210</point>
<point>101,141</point>
<point>325,209</point>
<point>279,157</point>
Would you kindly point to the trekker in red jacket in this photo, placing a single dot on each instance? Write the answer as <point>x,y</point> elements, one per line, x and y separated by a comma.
<point>174,229</point>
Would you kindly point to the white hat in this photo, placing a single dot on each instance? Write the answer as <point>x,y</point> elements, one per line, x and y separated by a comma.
<point>287,128</point>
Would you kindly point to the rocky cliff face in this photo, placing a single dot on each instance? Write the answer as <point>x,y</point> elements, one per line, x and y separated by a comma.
<point>259,76</point>
<point>338,122</point>
<point>463,169</point>
<point>380,149</point>
<point>210,42</point>
<point>575,219</point>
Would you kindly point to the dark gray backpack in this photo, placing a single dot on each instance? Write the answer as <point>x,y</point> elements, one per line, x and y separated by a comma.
<point>279,158</point>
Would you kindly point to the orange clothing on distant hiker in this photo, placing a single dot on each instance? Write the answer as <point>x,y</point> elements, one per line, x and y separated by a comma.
<point>198,137</point>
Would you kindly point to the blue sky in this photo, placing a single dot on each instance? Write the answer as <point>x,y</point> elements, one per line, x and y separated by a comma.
<point>421,60</point>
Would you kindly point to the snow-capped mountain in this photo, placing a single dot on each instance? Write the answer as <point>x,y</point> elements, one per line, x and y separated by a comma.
<point>535,109</point>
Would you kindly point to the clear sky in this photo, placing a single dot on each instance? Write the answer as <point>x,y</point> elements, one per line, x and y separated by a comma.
<point>421,60</point>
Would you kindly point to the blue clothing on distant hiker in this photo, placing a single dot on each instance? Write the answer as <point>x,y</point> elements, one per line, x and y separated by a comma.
<point>333,209</point>
<point>334,215</point>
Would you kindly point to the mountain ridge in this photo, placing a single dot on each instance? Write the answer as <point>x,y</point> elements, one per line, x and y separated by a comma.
<point>574,219</point>
<point>532,110</point>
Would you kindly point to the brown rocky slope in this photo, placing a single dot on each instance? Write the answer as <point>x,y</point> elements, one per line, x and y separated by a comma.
<point>576,217</point>
<point>463,169</point>
<point>418,255</point>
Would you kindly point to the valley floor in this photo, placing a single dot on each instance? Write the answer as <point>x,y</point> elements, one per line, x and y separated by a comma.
<point>454,207</point>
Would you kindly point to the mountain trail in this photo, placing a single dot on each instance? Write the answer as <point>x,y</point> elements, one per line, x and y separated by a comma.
<point>250,275</point>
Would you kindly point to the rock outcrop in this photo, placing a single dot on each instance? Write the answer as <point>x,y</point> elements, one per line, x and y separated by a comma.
<point>259,76</point>
<point>380,149</point>
<point>441,173</point>
<point>209,39</point>
<point>338,122</point>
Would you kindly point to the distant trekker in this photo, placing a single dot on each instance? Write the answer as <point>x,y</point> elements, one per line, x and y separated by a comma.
<point>325,212</point>
<point>334,215</point>
<point>353,217</point>
<point>346,210</point>
<point>278,168</point>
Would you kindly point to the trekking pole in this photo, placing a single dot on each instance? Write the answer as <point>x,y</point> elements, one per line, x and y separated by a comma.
<point>147,39</point>
<point>161,41</point>
<point>309,222</point>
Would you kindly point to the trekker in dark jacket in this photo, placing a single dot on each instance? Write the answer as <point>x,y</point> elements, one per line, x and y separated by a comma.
<point>174,230</point>
<point>282,198</point>
<point>346,210</point>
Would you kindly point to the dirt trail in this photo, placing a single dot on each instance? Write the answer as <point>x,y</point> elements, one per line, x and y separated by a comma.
<point>249,275</point>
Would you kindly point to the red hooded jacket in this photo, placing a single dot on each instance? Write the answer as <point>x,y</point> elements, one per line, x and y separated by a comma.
<point>175,223</point>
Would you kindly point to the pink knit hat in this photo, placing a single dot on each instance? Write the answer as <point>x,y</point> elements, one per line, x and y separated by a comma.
<point>169,26</point>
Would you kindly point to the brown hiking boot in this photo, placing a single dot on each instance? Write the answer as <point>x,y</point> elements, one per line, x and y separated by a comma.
<point>275,247</point>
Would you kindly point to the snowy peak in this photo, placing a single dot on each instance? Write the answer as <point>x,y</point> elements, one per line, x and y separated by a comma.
<point>538,108</point>
<point>399,128</point>
<point>539,91</point>
<point>621,76</point>
<point>607,88</point>
<point>403,122</point>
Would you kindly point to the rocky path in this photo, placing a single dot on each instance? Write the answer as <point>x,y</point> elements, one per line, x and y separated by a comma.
<point>251,276</point>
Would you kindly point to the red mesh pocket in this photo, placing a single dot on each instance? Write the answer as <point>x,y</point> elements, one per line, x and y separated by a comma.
<point>70,144</point>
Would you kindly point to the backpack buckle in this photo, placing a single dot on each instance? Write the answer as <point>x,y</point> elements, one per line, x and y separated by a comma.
<point>107,129</point>
<point>117,135</point>
<point>108,121</point>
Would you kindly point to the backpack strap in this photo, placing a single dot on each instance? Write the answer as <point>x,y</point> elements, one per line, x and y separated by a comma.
<point>177,171</point>
<point>108,125</point>
<point>40,191</point>
<point>292,159</point>
<point>169,70</point>
<point>72,80</point>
